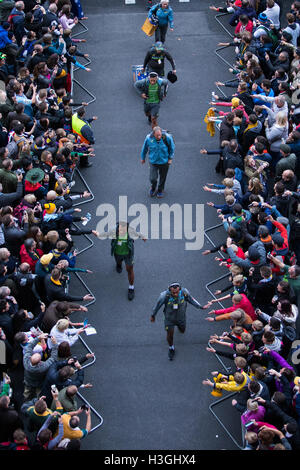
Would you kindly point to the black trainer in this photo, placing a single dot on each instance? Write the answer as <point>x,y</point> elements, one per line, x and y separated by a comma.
<point>171,354</point>
<point>130,294</point>
<point>119,268</point>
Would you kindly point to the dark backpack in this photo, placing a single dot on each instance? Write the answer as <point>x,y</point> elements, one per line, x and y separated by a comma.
<point>154,19</point>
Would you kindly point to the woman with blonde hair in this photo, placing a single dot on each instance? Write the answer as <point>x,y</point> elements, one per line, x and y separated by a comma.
<point>276,134</point>
<point>50,240</point>
<point>61,332</point>
<point>254,411</point>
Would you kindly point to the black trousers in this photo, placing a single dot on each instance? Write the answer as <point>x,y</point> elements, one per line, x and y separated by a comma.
<point>160,33</point>
<point>162,171</point>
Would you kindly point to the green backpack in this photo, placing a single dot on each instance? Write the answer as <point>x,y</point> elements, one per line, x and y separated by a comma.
<point>271,34</point>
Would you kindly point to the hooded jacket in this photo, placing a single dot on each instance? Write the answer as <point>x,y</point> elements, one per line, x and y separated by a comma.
<point>142,86</point>
<point>257,248</point>
<point>4,39</point>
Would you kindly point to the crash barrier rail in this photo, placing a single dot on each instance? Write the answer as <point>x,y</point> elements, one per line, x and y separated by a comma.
<point>217,18</point>
<point>91,244</point>
<point>94,411</point>
<point>222,58</point>
<point>79,174</point>
<point>207,286</point>
<point>214,227</point>
<point>211,409</point>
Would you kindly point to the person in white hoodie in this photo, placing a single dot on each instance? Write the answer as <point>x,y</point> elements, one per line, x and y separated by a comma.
<point>273,13</point>
<point>292,28</point>
<point>61,332</point>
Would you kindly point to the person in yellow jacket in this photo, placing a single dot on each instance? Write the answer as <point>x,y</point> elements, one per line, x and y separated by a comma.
<point>230,383</point>
<point>210,124</point>
<point>81,127</point>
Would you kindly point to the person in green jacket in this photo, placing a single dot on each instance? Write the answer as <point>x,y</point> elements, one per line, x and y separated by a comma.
<point>288,160</point>
<point>8,178</point>
<point>122,248</point>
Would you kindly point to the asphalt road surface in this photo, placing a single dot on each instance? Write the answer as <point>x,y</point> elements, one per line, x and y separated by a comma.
<point>146,401</point>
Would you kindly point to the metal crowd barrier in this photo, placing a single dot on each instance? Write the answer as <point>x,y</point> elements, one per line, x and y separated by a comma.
<point>207,286</point>
<point>222,58</point>
<point>91,244</point>
<point>217,18</point>
<point>211,409</point>
<point>214,282</point>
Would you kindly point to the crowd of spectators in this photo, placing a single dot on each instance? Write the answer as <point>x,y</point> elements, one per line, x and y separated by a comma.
<point>259,160</point>
<point>44,136</point>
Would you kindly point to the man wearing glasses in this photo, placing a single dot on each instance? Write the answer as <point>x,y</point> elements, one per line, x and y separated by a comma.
<point>175,300</point>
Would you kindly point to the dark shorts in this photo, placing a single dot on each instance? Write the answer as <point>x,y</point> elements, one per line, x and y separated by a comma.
<point>152,109</point>
<point>128,260</point>
<point>171,325</point>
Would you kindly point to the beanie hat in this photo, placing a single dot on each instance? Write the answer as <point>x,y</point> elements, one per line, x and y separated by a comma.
<point>263,18</point>
<point>45,259</point>
<point>159,46</point>
<point>235,102</point>
<point>50,208</point>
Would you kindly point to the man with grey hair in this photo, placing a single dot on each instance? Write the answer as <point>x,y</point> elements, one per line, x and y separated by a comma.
<point>35,369</point>
<point>17,16</point>
<point>278,104</point>
<point>160,147</point>
<point>164,15</point>
<point>51,17</point>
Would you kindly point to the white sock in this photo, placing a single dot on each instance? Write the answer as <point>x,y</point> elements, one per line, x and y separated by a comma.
<point>171,347</point>
<point>131,286</point>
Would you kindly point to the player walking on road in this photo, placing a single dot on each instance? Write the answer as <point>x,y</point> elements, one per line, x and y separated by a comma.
<point>164,15</point>
<point>122,248</point>
<point>155,59</point>
<point>160,146</point>
<point>153,90</point>
<point>175,300</point>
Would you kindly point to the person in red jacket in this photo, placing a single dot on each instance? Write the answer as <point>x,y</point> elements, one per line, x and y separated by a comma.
<point>244,24</point>
<point>239,301</point>
<point>228,262</point>
<point>30,254</point>
<point>280,245</point>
